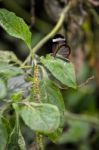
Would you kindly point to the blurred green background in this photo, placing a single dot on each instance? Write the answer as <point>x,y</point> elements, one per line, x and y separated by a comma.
<point>81,29</point>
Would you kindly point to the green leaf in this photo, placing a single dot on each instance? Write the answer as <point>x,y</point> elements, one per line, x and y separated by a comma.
<point>51,94</point>
<point>43,118</point>
<point>15,26</point>
<point>8,56</point>
<point>7,71</point>
<point>77,131</point>
<point>3,90</point>
<point>18,87</point>
<point>16,141</point>
<point>13,140</point>
<point>3,136</point>
<point>61,70</point>
<point>55,135</point>
<point>21,141</point>
<point>17,96</point>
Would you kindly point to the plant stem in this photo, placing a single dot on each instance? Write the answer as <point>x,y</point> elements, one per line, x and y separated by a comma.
<point>54,30</point>
<point>51,34</point>
<point>39,142</point>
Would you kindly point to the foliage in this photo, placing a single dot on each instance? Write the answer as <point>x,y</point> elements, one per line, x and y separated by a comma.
<point>34,94</point>
<point>15,26</point>
<point>43,109</point>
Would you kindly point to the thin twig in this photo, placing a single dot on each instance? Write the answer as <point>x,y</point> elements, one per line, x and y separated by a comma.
<point>51,34</point>
<point>86,82</point>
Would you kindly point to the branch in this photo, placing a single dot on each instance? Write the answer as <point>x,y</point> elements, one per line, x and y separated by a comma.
<point>51,34</point>
<point>86,82</point>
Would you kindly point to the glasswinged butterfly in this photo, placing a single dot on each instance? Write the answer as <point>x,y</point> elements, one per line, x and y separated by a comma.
<point>60,46</point>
